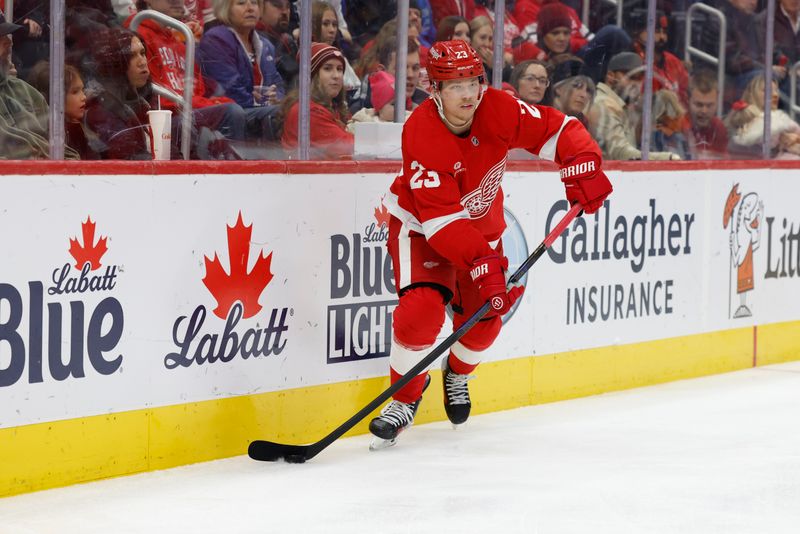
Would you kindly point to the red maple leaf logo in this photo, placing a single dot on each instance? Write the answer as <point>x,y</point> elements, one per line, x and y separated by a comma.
<point>90,251</point>
<point>382,215</point>
<point>239,285</point>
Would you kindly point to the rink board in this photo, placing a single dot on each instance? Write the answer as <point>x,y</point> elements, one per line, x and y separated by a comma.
<point>106,372</point>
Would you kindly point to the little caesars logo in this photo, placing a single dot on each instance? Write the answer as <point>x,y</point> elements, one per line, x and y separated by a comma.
<point>85,336</point>
<point>744,220</point>
<point>362,293</point>
<point>743,216</point>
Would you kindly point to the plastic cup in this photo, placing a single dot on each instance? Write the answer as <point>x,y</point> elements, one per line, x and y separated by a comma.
<point>161,130</point>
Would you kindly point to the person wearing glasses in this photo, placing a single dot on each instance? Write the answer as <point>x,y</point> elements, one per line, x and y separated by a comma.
<point>531,79</point>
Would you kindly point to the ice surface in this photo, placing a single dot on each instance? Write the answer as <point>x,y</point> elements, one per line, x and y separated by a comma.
<point>717,454</point>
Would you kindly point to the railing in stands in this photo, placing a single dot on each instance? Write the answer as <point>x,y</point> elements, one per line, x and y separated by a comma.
<point>794,109</point>
<point>586,6</point>
<point>184,102</point>
<point>719,61</point>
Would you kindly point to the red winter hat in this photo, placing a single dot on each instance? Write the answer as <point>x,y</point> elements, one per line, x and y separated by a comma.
<point>551,16</point>
<point>320,53</point>
<point>382,89</point>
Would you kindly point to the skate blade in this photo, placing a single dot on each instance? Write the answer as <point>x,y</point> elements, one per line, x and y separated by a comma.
<point>380,443</point>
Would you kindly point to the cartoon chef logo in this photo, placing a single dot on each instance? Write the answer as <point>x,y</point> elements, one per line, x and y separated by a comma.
<point>744,214</point>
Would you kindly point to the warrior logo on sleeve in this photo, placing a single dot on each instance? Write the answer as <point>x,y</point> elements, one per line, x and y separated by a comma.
<point>478,201</point>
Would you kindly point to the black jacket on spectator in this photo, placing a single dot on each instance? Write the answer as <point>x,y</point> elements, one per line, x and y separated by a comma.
<point>285,56</point>
<point>82,19</point>
<point>787,42</point>
<point>29,50</point>
<point>365,18</point>
<point>743,50</point>
<point>118,116</point>
<point>77,138</point>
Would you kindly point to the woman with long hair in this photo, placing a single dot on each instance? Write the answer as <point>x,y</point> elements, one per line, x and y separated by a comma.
<point>573,91</point>
<point>453,27</point>
<point>482,32</point>
<point>745,124</point>
<point>117,114</point>
<point>329,113</point>
<point>325,29</point>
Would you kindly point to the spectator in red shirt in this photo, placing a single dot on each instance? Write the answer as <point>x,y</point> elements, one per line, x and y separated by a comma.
<point>166,55</point>
<point>554,29</point>
<point>527,13</point>
<point>666,65</point>
<point>705,133</point>
<point>446,8</point>
<point>329,114</point>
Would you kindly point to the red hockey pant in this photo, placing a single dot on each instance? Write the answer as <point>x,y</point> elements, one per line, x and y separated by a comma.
<point>426,282</point>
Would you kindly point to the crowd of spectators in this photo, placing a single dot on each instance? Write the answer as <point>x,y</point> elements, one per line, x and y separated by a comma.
<point>245,99</point>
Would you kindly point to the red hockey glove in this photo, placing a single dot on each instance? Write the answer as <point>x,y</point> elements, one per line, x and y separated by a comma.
<point>488,273</point>
<point>585,182</point>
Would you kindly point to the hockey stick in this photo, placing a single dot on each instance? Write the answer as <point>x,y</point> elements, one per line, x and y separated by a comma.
<point>270,451</point>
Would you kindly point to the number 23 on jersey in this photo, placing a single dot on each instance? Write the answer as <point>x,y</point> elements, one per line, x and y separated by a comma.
<point>423,177</point>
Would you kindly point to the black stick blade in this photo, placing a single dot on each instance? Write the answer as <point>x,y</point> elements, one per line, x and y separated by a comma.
<point>267,451</point>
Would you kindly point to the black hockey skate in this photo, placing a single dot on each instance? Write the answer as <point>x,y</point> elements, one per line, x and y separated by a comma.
<point>456,394</point>
<point>394,418</point>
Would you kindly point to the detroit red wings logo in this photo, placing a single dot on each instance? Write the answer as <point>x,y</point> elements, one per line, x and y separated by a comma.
<point>478,202</point>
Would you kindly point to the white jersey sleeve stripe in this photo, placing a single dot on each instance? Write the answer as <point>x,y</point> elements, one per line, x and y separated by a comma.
<point>407,218</point>
<point>431,226</point>
<point>548,150</point>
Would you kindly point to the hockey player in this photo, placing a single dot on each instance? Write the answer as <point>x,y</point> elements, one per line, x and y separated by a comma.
<point>447,220</point>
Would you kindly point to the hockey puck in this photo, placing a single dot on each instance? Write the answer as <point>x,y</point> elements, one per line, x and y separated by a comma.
<point>295,458</point>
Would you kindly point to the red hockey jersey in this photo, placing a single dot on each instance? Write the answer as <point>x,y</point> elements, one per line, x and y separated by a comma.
<point>166,59</point>
<point>450,186</point>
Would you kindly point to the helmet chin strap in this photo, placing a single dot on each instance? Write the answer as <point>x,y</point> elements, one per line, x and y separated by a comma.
<point>437,98</point>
